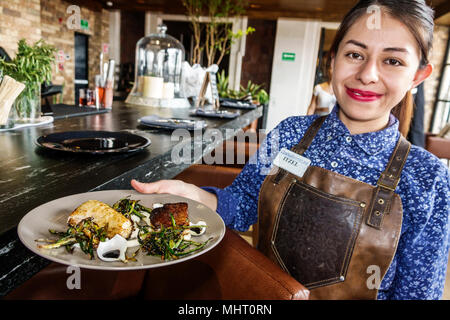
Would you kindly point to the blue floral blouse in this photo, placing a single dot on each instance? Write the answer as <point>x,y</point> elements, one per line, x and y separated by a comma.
<point>418,269</point>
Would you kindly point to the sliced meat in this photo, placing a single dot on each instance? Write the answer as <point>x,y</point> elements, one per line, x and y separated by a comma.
<point>161,216</point>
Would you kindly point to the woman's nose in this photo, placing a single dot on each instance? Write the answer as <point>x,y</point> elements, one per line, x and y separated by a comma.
<point>368,72</point>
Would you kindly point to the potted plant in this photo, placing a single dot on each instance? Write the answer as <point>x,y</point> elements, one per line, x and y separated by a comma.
<point>218,35</point>
<point>31,66</point>
<point>257,93</point>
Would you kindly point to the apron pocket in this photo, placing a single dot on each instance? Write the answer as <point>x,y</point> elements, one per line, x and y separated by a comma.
<point>314,235</point>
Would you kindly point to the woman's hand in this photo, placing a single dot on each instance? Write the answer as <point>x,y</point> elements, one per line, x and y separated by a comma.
<point>179,188</point>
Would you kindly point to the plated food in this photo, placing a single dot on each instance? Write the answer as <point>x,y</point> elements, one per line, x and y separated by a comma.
<point>54,215</point>
<point>105,231</point>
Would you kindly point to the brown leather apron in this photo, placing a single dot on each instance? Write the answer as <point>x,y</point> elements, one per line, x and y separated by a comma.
<point>328,231</point>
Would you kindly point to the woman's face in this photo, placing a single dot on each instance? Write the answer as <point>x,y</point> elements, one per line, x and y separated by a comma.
<point>372,71</point>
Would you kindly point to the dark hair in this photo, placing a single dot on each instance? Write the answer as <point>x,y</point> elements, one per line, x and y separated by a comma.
<point>417,16</point>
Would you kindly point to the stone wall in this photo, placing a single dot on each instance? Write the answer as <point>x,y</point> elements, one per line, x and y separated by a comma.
<point>47,19</point>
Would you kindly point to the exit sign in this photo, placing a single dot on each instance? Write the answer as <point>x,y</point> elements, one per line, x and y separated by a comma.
<point>84,24</point>
<point>288,56</point>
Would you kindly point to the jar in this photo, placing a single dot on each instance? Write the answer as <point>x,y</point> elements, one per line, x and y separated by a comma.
<point>159,59</point>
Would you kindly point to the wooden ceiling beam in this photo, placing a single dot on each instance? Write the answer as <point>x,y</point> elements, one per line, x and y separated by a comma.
<point>262,12</point>
<point>170,7</point>
<point>89,4</point>
<point>441,9</point>
<point>273,15</point>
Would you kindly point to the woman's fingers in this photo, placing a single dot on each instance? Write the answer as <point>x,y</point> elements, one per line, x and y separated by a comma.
<point>179,188</point>
<point>153,187</point>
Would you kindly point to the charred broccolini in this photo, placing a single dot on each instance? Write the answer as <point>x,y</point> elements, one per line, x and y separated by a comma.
<point>169,242</point>
<point>86,233</point>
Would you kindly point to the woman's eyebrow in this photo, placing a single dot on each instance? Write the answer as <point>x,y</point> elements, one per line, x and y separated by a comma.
<point>362,45</point>
<point>357,43</point>
<point>396,49</point>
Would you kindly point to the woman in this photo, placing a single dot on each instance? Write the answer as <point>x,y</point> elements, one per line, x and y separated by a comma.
<point>323,100</point>
<point>369,208</point>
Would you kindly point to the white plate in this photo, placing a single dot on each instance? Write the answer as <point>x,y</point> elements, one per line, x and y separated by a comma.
<point>53,215</point>
<point>38,122</point>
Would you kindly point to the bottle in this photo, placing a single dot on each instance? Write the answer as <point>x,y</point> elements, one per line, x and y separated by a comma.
<point>108,94</point>
<point>99,92</point>
<point>82,98</point>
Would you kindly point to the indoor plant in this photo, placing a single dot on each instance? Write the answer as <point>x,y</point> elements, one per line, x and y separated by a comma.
<point>32,66</point>
<point>214,36</point>
<point>258,94</point>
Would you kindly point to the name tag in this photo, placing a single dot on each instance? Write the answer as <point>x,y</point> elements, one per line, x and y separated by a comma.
<point>292,162</point>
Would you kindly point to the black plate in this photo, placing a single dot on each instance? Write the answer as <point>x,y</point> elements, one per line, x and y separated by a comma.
<point>221,114</point>
<point>93,142</point>
<point>172,123</point>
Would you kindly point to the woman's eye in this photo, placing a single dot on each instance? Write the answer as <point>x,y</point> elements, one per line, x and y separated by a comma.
<point>393,62</point>
<point>354,55</point>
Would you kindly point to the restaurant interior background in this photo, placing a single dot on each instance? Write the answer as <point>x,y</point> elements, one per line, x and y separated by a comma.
<point>302,28</point>
<point>284,55</point>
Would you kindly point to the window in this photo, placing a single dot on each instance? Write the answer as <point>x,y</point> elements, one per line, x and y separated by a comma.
<point>441,111</point>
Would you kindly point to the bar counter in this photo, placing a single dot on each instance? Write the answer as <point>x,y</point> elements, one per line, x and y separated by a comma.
<point>31,176</point>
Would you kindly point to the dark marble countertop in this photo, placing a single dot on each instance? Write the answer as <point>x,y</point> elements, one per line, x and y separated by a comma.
<point>31,176</point>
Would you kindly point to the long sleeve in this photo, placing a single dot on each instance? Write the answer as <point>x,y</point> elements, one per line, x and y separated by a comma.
<point>423,249</point>
<point>238,203</point>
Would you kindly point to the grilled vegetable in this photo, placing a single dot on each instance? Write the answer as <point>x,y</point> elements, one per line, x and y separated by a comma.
<point>127,207</point>
<point>168,242</point>
<point>86,233</point>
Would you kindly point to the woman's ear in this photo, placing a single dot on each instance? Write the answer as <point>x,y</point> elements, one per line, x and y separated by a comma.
<point>422,74</point>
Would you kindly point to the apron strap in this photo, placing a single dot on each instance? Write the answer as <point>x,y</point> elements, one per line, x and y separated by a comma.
<point>301,147</point>
<point>309,135</point>
<point>387,183</point>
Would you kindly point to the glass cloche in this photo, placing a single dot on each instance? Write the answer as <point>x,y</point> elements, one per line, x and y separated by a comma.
<point>159,59</point>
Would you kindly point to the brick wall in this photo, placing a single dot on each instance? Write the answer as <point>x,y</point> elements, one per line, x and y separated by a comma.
<point>55,31</point>
<point>19,19</point>
<point>440,39</point>
<point>47,19</point>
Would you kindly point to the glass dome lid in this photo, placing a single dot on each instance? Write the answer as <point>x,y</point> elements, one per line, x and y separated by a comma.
<point>159,59</point>
<point>160,40</point>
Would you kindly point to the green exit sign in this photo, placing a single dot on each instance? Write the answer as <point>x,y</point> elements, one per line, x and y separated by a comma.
<point>84,24</point>
<point>288,56</point>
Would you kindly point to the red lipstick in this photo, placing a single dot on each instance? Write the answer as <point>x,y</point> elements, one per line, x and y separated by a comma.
<point>363,96</point>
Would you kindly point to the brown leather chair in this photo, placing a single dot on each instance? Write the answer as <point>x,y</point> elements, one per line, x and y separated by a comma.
<point>438,146</point>
<point>233,270</point>
<point>51,284</point>
<point>222,174</point>
<point>206,175</point>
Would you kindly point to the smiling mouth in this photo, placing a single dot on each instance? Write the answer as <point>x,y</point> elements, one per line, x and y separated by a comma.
<point>360,95</point>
